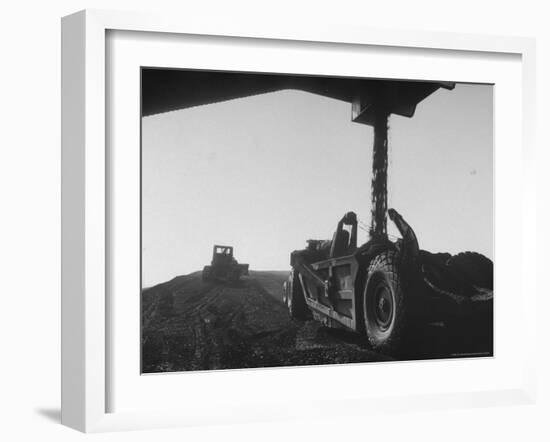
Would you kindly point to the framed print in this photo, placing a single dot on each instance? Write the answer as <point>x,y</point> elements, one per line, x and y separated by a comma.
<point>290,219</point>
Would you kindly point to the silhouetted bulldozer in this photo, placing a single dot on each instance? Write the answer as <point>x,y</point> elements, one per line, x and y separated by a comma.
<point>224,267</point>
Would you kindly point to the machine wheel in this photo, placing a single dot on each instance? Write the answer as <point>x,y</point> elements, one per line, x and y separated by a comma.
<point>476,268</point>
<point>295,301</point>
<point>384,310</point>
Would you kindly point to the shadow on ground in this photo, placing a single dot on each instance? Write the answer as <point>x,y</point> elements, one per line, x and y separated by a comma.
<point>50,414</point>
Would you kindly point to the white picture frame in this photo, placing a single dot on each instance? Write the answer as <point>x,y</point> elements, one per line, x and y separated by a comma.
<point>86,314</point>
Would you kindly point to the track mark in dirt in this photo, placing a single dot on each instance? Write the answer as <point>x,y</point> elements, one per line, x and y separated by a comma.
<point>191,325</point>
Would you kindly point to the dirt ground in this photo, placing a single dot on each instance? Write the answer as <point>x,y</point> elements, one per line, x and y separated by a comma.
<point>188,324</point>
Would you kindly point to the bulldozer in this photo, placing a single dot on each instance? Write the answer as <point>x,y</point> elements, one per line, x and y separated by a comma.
<point>224,267</point>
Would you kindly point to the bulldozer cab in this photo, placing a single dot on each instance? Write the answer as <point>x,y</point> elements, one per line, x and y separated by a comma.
<point>222,254</point>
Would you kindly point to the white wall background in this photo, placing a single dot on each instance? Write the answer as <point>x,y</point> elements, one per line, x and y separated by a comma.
<point>30,225</point>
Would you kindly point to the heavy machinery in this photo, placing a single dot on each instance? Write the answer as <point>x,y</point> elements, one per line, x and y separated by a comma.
<point>383,289</point>
<point>224,267</point>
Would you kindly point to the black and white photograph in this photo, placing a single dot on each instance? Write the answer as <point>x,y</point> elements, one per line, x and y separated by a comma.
<point>296,220</point>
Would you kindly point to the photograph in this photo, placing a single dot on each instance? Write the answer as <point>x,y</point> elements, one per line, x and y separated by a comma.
<point>303,220</point>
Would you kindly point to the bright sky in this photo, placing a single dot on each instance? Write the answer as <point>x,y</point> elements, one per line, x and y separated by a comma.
<point>267,172</point>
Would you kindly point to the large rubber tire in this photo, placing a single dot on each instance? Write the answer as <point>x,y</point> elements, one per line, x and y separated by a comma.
<point>295,301</point>
<point>384,310</point>
<point>475,268</point>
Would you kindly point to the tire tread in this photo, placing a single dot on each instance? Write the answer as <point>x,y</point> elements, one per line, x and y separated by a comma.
<point>388,262</point>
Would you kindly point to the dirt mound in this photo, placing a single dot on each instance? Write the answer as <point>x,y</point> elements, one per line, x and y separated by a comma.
<point>188,324</point>
<point>191,325</point>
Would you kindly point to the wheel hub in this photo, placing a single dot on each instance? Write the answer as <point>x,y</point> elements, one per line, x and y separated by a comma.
<point>383,306</point>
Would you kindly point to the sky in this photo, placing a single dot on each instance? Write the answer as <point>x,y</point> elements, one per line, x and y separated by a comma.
<point>266,173</point>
